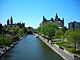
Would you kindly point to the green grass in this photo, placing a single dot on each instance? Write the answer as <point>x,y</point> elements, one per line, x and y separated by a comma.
<point>68,48</point>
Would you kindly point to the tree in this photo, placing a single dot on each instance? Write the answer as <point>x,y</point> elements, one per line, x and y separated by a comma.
<point>5,40</point>
<point>48,29</point>
<point>59,33</point>
<point>73,37</point>
<point>64,29</point>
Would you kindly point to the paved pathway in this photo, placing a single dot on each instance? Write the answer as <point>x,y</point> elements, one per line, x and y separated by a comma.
<point>63,53</point>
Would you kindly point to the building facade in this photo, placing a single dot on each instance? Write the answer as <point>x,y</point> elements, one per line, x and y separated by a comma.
<point>74,25</point>
<point>56,20</point>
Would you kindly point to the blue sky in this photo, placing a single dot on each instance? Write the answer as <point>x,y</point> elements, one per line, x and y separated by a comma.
<point>31,11</point>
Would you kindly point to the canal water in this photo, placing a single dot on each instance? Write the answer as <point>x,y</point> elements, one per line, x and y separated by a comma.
<point>31,48</point>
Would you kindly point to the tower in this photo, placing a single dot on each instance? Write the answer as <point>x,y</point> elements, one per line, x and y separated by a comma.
<point>11,21</point>
<point>56,16</point>
<point>63,21</point>
<point>44,19</point>
<point>8,22</point>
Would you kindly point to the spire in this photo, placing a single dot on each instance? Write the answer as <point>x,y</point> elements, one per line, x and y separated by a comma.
<point>11,20</point>
<point>63,19</point>
<point>44,19</point>
<point>8,22</point>
<point>56,16</point>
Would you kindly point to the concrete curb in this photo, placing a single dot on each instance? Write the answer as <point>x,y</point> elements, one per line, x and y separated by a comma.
<point>70,57</point>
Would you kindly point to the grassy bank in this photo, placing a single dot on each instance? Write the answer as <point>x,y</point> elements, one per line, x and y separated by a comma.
<point>68,48</point>
<point>11,34</point>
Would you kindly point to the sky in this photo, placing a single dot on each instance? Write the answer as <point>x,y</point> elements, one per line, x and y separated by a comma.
<point>31,12</point>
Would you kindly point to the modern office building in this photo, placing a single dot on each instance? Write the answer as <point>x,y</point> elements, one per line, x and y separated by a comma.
<point>74,25</point>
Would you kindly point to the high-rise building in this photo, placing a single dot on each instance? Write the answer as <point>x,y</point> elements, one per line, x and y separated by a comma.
<point>74,25</point>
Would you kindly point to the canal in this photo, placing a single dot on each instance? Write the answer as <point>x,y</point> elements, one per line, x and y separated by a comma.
<point>31,48</point>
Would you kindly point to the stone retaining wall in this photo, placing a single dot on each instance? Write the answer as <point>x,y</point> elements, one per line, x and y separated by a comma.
<point>63,53</point>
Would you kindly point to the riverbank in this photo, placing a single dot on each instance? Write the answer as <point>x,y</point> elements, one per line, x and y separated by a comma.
<point>63,53</point>
<point>7,48</point>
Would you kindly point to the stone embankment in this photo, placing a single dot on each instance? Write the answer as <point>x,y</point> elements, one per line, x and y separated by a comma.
<point>63,53</point>
<point>7,48</point>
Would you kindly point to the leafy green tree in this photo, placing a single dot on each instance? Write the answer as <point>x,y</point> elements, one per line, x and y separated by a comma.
<point>48,29</point>
<point>64,29</point>
<point>59,33</point>
<point>5,40</point>
<point>12,33</point>
<point>73,37</point>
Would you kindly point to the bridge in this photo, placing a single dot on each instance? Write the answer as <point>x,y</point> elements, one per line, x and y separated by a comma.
<point>30,30</point>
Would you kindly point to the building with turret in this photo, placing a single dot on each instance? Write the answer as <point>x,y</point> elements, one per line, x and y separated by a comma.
<point>56,20</point>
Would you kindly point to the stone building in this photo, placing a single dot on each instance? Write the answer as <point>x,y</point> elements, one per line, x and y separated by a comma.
<point>56,20</point>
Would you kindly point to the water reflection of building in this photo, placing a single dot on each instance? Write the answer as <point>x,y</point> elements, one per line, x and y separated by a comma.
<point>56,20</point>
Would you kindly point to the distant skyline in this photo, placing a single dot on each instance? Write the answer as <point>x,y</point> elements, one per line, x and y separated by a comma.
<point>31,12</point>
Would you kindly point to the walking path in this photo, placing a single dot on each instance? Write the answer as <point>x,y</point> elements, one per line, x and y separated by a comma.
<point>63,53</point>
